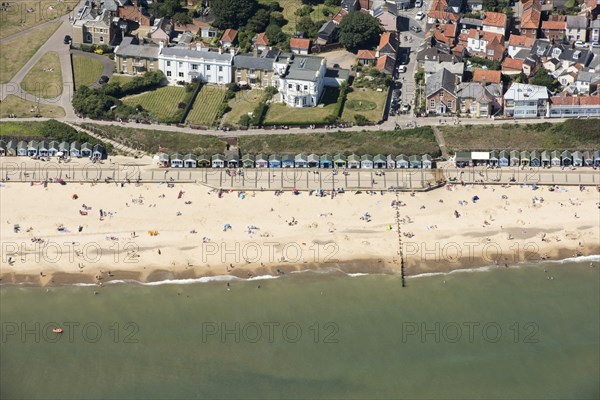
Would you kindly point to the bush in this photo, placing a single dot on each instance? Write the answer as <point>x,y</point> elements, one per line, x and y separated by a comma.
<point>233,87</point>
<point>361,120</point>
<point>245,120</point>
<point>339,105</point>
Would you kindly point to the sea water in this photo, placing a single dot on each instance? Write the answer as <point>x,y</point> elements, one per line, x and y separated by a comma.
<point>521,333</point>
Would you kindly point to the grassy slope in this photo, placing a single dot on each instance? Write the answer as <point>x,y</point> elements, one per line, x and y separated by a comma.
<point>22,108</point>
<point>87,70</point>
<point>45,78</point>
<point>17,18</point>
<point>161,102</point>
<point>244,102</point>
<point>574,134</point>
<point>206,106</point>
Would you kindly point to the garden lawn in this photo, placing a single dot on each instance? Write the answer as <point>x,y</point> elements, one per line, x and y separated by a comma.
<point>26,109</point>
<point>120,79</point>
<point>162,103</point>
<point>87,70</point>
<point>14,55</point>
<point>367,102</point>
<point>243,103</point>
<point>44,79</point>
<point>290,7</point>
<point>281,114</point>
<point>206,106</point>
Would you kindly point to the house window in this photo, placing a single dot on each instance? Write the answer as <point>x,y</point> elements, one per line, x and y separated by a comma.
<point>208,67</point>
<point>265,82</point>
<point>181,74</point>
<point>168,63</point>
<point>442,95</point>
<point>101,39</point>
<point>180,64</point>
<point>450,104</point>
<point>194,67</point>
<point>168,73</point>
<point>432,104</point>
<point>220,68</point>
<point>305,87</point>
<point>304,101</point>
<point>289,85</point>
<point>297,88</point>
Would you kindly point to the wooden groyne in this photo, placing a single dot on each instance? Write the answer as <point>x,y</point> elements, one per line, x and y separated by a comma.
<point>400,250</point>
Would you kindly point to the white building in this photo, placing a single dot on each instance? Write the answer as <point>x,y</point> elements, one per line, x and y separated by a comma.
<point>301,79</point>
<point>576,27</point>
<point>595,31</point>
<point>526,101</point>
<point>181,64</point>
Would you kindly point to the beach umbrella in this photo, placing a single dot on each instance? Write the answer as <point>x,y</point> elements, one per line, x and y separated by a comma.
<point>475,198</point>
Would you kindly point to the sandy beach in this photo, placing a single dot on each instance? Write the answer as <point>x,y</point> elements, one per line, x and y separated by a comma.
<point>84,233</point>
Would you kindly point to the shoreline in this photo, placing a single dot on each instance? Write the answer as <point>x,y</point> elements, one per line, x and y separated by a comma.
<point>165,277</point>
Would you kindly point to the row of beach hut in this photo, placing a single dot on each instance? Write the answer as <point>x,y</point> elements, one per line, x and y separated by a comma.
<point>514,158</point>
<point>44,148</point>
<point>301,160</point>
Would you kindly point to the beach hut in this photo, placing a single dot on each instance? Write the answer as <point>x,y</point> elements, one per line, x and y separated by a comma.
<point>534,159</point>
<point>22,148</point>
<point>232,159</point>
<point>32,148</point>
<point>74,149</point>
<point>162,159</point>
<point>414,161</point>
<point>11,148</point>
<point>402,161</point>
<point>514,158</point>
<point>390,161</point>
<point>204,161</point>
<point>176,160</point>
<point>494,158</point>
<point>217,161</point>
<point>300,161</point>
<point>261,161</point>
<point>339,160</point>
<point>555,158</point>
<point>325,161</point>
<point>426,161</point>
<point>588,158</point>
<point>313,161</point>
<point>366,161</point>
<point>43,149</point>
<point>86,150</point>
<point>577,159</point>
<point>190,161</point>
<point>379,161</point>
<point>274,161</point>
<point>248,161</point>
<point>503,159</point>
<point>53,148</point>
<point>480,157</point>
<point>462,159</point>
<point>64,147</point>
<point>98,152</point>
<point>566,158</point>
<point>287,161</point>
<point>353,161</point>
<point>2,148</point>
<point>525,158</point>
<point>545,158</point>
<point>597,158</point>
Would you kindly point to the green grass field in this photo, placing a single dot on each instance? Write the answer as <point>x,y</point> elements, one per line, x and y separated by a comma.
<point>87,70</point>
<point>14,54</point>
<point>162,103</point>
<point>290,7</point>
<point>44,79</point>
<point>281,114</point>
<point>244,102</point>
<point>172,142</point>
<point>26,109</point>
<point>120,79</point>
<point>367,102</point>
<point>22,15</point>
<point>574,134</point>
<point>206,106</point>
<point>408,141</point>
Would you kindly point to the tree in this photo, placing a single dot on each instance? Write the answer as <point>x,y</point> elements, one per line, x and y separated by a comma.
<point>490,5</point>
<point>182,18</point>
<point>358,30</point>
<point>309,26</point>
<point>542,78</point>
<point>258,22</point>
<point>233,13</point>
<point>276,35</point>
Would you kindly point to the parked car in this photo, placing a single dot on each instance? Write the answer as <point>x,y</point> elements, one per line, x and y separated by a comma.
<point>596,45</point>
<point>580,44</point>
<point>418,3</point>
<point>420,15</point>
<point>67,39</point>
<point>415,29</point>
<point>405,107</point>
<point>402,69</point>
<point>103,79</point>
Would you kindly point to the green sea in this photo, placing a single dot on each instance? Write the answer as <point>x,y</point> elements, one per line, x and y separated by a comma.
<point>519,333</point>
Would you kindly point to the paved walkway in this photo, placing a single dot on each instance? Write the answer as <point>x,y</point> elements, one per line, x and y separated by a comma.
<point>439,138</point>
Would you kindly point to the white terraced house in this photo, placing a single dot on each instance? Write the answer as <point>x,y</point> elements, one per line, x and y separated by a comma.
<point>181,64</point>
<point>301,79</point>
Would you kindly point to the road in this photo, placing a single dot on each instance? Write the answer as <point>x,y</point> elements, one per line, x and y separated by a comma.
<point>54,43</point>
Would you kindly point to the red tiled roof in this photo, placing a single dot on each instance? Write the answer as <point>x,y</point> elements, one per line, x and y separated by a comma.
<point>439,11</point>
<point>386,39</point>
<point>575,100</point>
<point>590,100</point>
<point>340,16</point>
<point>489,76</point>
<point>512,64</point>
<point>229,35</point>
<point>494,19</point>
<point>532,14</point>
<point>554,25</point>
<point>298,43</point>
<point>262,39</point>
<point>366,54</point>
<point>520,41</point>
<point>385,63</point>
